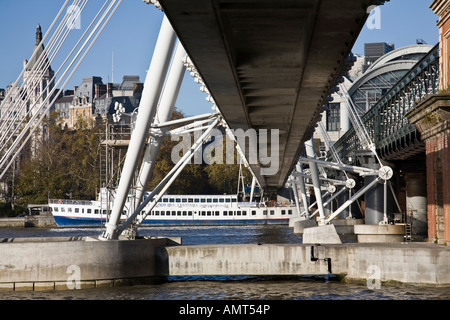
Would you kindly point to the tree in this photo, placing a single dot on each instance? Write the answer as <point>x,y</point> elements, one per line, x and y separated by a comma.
<point>223,178</point>
<point>61,164</point>
<point>192,180</point>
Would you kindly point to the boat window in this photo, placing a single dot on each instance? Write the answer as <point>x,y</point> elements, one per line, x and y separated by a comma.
<point>55,209</point>
<point>221,200</point>
<point>203,213</point>
<point>77,210</point>
<point>272,212</point>
<point>230,213</point>
<point>225,213</point>
<point>238,213</point>
<point>217,213</point>
<point>163,213</point>
<point>208,213</point>
<point>184,200</point>
<point>234,200</point>
<point>227,200</point>
<point>189,213</point>
<point>69,209</point>
<point>96,211</point>
<point>202,200</point>
<point>215,200</point>
<point>157,213</point>
<point>283,211</point>
<point>165,200</point>
<point>89,210</point>
<point>196,200</point>
<point>289,211</point>
<point>265,212</point>
<point>62,209</point>
<point>82,210</point>
<point>184,213</point>
<point>253,212</point>
<point>190,200</point>
<point>208,200</point>
<point>244,213</point>
<point>178,213</point>
<point>171,200</point>
<point>177,200</point>
<point>174,213</point>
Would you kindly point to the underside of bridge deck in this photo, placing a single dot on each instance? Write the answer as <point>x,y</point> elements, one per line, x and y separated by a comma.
<point>270,64</point>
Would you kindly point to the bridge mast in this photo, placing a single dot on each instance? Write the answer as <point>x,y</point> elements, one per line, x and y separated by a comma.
<point>147,109</point>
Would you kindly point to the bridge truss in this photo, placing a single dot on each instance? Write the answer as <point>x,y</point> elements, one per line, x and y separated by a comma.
<point>384,131</point>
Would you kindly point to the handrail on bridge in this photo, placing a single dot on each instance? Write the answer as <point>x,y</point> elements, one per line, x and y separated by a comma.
<point>385,122</point>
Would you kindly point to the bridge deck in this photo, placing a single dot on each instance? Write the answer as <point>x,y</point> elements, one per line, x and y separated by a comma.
<point>269,64</point>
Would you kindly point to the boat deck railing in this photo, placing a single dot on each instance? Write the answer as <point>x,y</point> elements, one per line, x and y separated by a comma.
<point>71,202</point>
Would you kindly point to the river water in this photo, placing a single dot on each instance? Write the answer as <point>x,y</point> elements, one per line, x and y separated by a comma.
<point>223,288</point>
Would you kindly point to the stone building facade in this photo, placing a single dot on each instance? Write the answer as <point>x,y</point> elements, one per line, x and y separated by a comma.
<point>93,99</point>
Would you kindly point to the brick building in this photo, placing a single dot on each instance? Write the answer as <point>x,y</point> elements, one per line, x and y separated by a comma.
<point>432,119</point>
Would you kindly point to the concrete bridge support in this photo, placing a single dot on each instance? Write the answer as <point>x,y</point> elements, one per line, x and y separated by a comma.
<point>416,202</point>
<point>77,263</point>
<point>373,202</point>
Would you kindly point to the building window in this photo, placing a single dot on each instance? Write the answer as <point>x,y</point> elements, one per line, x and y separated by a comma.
<point>333,117</point>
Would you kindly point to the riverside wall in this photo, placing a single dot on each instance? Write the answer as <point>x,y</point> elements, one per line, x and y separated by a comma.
<point>78,263</point>
<point>416,263</point>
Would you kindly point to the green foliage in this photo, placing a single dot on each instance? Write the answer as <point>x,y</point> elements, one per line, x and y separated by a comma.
<point>60,164</point>
<point>6,210</point>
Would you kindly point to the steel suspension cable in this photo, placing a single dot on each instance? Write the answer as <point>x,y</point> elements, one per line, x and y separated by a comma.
<point>34,79</point>
<point>94,33</point>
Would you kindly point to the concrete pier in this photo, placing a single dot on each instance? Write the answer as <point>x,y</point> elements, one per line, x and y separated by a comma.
<point>69,263</point>
<point>380,233</point>
<point>78,263</point>
<point>342,231</point>
<point>43,220</point>
<point>416,263</point>
<point>321,234</point>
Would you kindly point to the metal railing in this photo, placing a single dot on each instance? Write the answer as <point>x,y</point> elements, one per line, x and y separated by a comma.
<point>385,122</point>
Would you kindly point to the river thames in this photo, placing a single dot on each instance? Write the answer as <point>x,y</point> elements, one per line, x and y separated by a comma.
<point>223,288</point>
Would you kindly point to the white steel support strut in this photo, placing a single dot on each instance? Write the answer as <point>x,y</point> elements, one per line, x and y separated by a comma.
<point>294,188</point>
<point>328,201</point>
<point>163,114</point>
<point>315,177</point>
<point>362,171</point>
<point>352,199</point>
<point>147,109</point>
<point>301,182</point>
<point>168,179</point>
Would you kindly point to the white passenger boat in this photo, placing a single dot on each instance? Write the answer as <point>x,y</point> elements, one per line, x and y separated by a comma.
<point>176,210</point>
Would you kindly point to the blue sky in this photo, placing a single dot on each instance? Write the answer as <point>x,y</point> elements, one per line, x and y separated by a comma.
<point>132,32</point>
